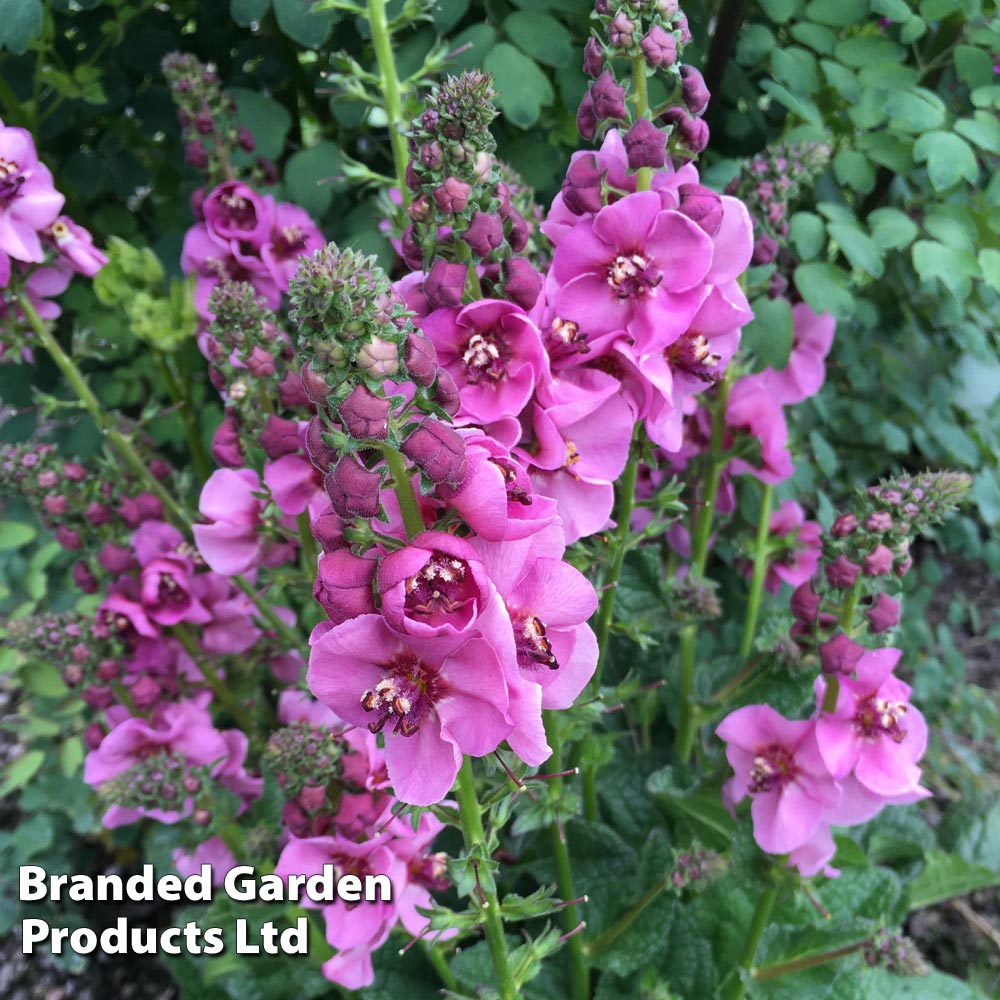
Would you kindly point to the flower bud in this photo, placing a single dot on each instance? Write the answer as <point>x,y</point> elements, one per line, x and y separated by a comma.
<point>581,189</point>
<point>226,449</point>
<point>883,614</point>
<point>693,90</point>
<point>353,489</point>
<point>842,573</point>
<point>446,393</point>
<point>365,415</point>
<point>116,559</point>
<point>452,196</point>
<point>83,577</point>
<point>608,98</point>
<point>445,284</point>
<point>378,358</point>
<point>344,585</point>
<point>484,235</point>
<point>145,692</point>
<point>97,514</point>
<point>805,602</point>
<point>593,58</point>
<point>586,119</point>
<point>765,249</point>
<point>328,530</point>
<point>645,145</point>
<point>68,538</point>
<point>421,357</point>
<point>438,451</point>
<point>279,437</point>
<point>840,654</point>
<point>879,522</point>
<point>55,504</point>
<point>260,362</point>
<point>878,562</point>
<point>659,47</point>
<point>845,525</point>
<point>74,472</point>
<point>522,284</point>
<point>312,797</point>
<point>703,206</point>
<point>320,453</point>
<point>620,30</point>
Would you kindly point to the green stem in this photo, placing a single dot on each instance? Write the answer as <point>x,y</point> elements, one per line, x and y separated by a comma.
<point>307,544</point>
<point>441,966</point>
<point>179,393</point>
<point>760,561</point>
<point>807,961</point>
<point>213,680</point>
<point>644,175</point>
<point>413,520</point>
<point>845,619</point>
<point>624,922</point>
<point>123,694</point>
<point>267,613</point>
<point>382,40</point>
<point>470,817</point>
<point>579,976</point>
<point>732,987</point>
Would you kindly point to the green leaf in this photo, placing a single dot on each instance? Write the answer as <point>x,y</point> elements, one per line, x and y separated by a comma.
<point>853,169</point>
<point>826,457</point>
<point>301,22</point>
<point>770,333</point>
<point>540,36</point>
<point>868,50</point>
<point>797,68</point>
<point>311,177</point>
<point>973,66</point>
<point>808,233</point>
<point>13,534</point>
<point>954,269</point>
<point>479,39</point>
<point>447,13</point>
<point>878,984</point>
<point>44,680</point>
<point>522,88</point>
<point>23,769</point>
<point>989,263</point>
<point>780,10</point>
<point>825,288</point>
<point>982,129</point>
<point>803,108</point>
<point>895,10</point>
<point>754,42</point>
<point>861,251</point>
<point>949,159</point>
<point>915,110</point>
<point>986,493</point>
<point>246,12</point>
<point>71,755</point>
<point>20,24</point>
<point>837,13</point>
<point>892,229</point>
<point>945,876</point>
<point>268,120</point>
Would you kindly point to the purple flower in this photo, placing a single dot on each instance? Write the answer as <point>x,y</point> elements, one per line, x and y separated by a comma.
<point>29,201</point>
<point>842,573</point>
<point>694,91</point>
<point>234,211</point>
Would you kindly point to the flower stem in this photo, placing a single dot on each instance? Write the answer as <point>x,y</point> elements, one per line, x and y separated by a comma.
<point>806,962</point>
<point>471,819</point>
<point>179,393</point>
<point>845,619</point>
<point>579,976</point>
<point>413,520</point>
<point>382,40</point>
<point>220,688</point>
<point>307,543</point>
<point>732,987</point>
<point>625,921</point>
<point>441,967</point>
<point>644,175</point>
<point>760,560</point>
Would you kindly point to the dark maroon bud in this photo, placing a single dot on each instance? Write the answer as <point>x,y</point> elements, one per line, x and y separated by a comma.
<point>194,153</point>
<point>55,504</point>
<point>681,24</point>
<point>883,614</point>
<point>312,797</point>
<point>226,448</point>
<point>503,194</point>
<point>291,395</point>
<point>608,98</point>
<point>353,489</point>
<point>586,120</point>
<point>581,190</point>
<point>97,514</point>
<point>412,180</point>
<point>520,230</point>
<point>201,817</point>
<point>245,139</point>
<point>484,235</point>
<point>116,559</point>
<point>845,525</point>
<point>602,7</point>
<point>80,653</point>
<point>840,654</point>
<point>805,603</point>
<point>421,357</point>
<point>93,735</point>
<point>593,58</point>
<point>48,479</point>
<point>328,530</point>
<point>878,562</point>
<point>842,573</point>
<point>149,506</point>
<point>74,472</point>
<point>421,209</point>
<point>108,670</point>
<point>452,196</point>
<point>260,362</point>
<point>777,286</point>
<point>431,155</point>
<point>269,172</point>
<point>68,538</point>
<point>203,123</point>
<point>410,250</point>
<point>314,385</point>
<point>365,415</point>
<point>693,90</point>
<point>320,453</point>
<point>145,692</point>
<point>344,585</point>
<point>765,249</point>
<point>72,675</point>
<point>693,132</point>
<point>429,119</point>
<point>99,698</point>
<point>522,284</point>
<point>192,785</point>
<point>438,451</point>
<point>279,437</point>
<point>701,205</point>
<point>445,284</point>
<point>446,393</point>
<point>659,47</point>
<point>646,145</point>
<point>296,819</point>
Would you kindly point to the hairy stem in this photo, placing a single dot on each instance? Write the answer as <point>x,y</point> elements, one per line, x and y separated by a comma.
<point>179,393</point>
<point>807,961</point>
<point>626,920</point>
<point>732,987</point>
<point>760,561</point>
<point>403,486</point>
<point>644,175</point>
<point>471,819</point>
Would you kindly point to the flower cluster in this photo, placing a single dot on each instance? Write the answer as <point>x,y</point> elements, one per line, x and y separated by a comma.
<point>40,249</point>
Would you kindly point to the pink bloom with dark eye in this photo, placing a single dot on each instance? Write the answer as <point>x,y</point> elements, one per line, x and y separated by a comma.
<point>798,564</point>
<point>634,267</point>
<point>234,211</point>
<point>434,699</point>
<point>29,201</point>
<point>874,732</point>
<point>167,596</point>
<point>231,543</point>
<point>777,763</point>
<point>293,235</point>
<point>549,603</point>
<point>493,351</point>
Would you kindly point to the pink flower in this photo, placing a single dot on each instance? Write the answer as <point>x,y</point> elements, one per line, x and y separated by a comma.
<point>778,763</point>
<point>635,267</point>
<point>752,409</point>
<point>293,235</point>
<point>873,732</point>
<point>434,699</point>
<point>76,246</point>
<point>231,543</point>
<point>494,353</point>
<point>805,372</point>
<point>234,211</point>
<point>797,564</point>
<point>167,593</point>
<point>29,201</point>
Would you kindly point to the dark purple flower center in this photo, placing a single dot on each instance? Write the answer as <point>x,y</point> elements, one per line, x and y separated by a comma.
<point>875,717</point>
<point>406,693</point>
<point>288,242</point>
<point>169,591</point>
<point>773,768</point>
<point>441,590</point>
<point>533,648</point>
<point>11,179</point>
<point>631,275</point>
<point>239,213</point>
<point>693,353</point>
<point>485,357</point>
<point>515,492</point>
<point>565,339</point>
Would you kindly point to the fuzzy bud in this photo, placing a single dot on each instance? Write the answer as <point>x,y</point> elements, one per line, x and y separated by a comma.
<point>279,437</point>
<point>446,393</point>
<point>484,235</point>
<point>452,196</point>
<point>593,58</point>
<point>645,145</point>
<point>608,98</point>
<point>226,449</point>
<point>365,415</point>
<point>703,206</point>
<point>842,573</point>
<point>353,489</point>
<point>845,525</point>
<point>805,603</point>
<point>878,562</point>
<point>344,585</point>
<point>421,358</point>
<point>445,284</point>
<point>522,284</point>
<point>378,358</point>
<point>693,90</point>
<point>883,614</point>
<point>840,655</point>
<point>659,47</point>
<point>438,451</point>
